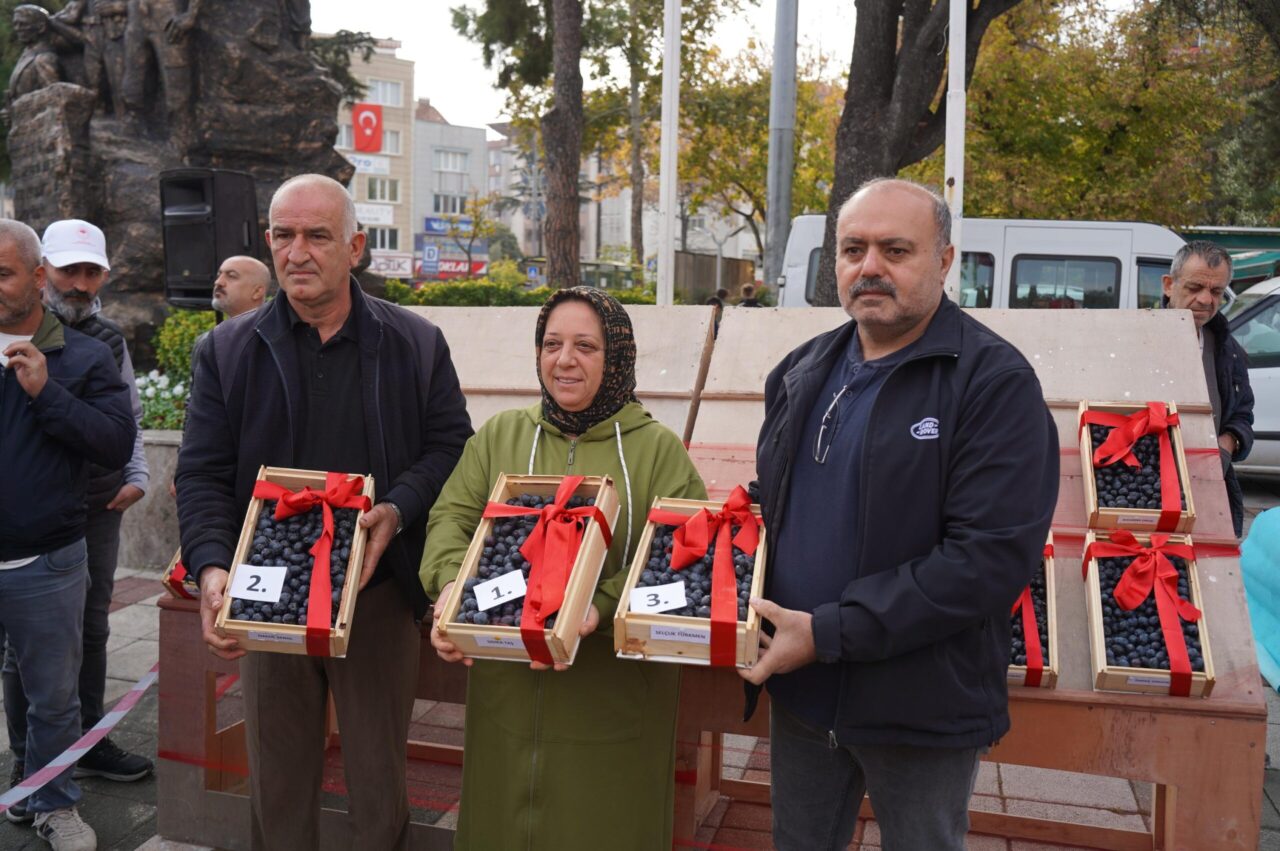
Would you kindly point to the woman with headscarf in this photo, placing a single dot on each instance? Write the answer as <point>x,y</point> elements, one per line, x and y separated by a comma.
<point>584,756</point>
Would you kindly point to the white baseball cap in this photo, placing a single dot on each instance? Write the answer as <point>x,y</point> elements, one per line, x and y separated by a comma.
<point>73,241</point>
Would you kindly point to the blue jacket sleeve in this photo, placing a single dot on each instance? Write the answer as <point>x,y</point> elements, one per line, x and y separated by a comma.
<point>1002,487</point>
<point>98,423</point>
<point>208,522</point>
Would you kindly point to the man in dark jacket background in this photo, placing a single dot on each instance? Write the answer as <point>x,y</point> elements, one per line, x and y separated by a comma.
<point>62,406</point>
<point>323,378</point>
<point>908,471</point>
<point>1197,281</point>
<point>76,269</point>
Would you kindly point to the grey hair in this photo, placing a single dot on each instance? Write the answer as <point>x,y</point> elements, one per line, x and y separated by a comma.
<point>22,236</point>
<point>1211,253</point>
<point>941,212</point>
<point>348,205</point>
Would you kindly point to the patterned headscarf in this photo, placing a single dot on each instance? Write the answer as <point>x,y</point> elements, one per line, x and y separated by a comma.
<point>617,385</point>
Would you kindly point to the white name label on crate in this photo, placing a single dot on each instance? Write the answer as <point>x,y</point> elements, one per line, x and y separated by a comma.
<point>499,641</point>
<point>1016,676</point>
<point>1135,520</point>
<point>658,598</point>
<point>504,589</point>
<point>258,582</point>
<point>1148,681</point>
<point>680,633</point>
<point>258,635</point>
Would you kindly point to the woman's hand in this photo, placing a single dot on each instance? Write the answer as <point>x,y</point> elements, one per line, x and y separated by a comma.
<point>445,649</point>
<point>588,626</point>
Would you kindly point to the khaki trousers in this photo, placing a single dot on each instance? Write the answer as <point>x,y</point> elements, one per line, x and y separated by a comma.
<point>373,690</point>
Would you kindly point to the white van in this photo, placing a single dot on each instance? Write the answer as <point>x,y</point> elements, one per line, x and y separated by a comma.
<point>1024,263</point>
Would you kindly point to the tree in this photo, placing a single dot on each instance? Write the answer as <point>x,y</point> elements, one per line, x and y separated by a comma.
<point>333,54</point>
<point>529,42</point>
<point>479,223</point>
<point>725,137</point>
<point>1079,113</point>
<point>894,109</point>
<point>503,245</point>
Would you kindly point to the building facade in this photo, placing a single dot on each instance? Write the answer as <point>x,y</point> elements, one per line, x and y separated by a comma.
<point>450,176</point>
<point>383,185</point>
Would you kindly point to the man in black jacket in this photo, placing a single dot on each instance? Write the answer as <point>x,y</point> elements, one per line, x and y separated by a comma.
<point>908,473</point>
<point>76,269</point>
<point>323,378</point>
<point>1197,281</point>
<point>62,406</point>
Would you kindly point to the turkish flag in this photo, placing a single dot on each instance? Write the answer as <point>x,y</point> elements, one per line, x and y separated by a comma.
<point>366,124</point>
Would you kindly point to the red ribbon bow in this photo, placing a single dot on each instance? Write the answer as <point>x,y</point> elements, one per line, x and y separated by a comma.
<point>339,492</point>
<point>551,549</point>
<point>175,579</point>
<point>690,543</point>
<point>1151,571</point>
<point>1031,631</point>
<point>1126,431</point>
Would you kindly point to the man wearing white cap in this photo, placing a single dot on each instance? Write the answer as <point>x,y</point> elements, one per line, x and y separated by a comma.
<point>76,268</point>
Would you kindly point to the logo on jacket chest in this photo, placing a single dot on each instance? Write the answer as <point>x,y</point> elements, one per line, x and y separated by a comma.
<point>926,429</point>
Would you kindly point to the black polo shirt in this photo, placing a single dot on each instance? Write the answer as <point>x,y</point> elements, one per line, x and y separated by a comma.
<point>331,436</point>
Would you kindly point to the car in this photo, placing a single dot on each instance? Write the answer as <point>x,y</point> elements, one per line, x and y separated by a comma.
<point>1254,319</point>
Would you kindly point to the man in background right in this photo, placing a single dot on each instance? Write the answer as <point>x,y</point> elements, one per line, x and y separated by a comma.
<point>1197,281</point>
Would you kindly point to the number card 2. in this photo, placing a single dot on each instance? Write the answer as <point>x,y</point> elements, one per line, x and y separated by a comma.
<point>258,582</point>
<point>658,598</point>
<point>507,588</point>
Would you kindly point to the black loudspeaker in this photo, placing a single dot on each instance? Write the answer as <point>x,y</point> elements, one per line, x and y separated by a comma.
<point>208,215</point>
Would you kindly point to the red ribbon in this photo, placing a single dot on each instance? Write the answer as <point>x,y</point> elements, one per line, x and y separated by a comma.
<point>1126,430</point>
<point>690,543</point>
<point>339,492</point>
<point>174,580</point>
<point>1151,571</point>
<point>551,549</point>
<point>1031,631</point>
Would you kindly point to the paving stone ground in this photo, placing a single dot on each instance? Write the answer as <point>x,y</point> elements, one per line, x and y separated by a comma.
<point>124,814</point>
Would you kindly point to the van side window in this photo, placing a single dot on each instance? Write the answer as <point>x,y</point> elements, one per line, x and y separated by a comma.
<point>1150,287</point>
<point>977,273</point>
<point>811,275</point>
<point>1047,281</point>
<point>1260,336</point>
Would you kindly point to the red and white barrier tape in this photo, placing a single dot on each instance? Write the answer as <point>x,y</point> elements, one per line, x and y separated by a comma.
<point>71,755</point>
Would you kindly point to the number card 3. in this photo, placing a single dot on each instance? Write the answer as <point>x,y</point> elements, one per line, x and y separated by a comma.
<point>507,588</point>
<point>258,582</point>
<point>658,598</point>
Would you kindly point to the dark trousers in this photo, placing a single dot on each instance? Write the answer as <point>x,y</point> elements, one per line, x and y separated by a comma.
<point>920,795</point>
<point>102,537</point>
<point>373,690</point>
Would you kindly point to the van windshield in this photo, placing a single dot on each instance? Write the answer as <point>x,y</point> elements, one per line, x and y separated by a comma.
<point>1055,282</point>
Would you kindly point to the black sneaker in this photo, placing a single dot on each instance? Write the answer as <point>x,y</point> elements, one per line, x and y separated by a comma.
<point>17,813</point>
<point>107,759</point>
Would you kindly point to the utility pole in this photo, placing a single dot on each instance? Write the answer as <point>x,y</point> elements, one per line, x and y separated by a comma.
<point>954,157</point>
<point>667,162</point>
<point>782,132</point>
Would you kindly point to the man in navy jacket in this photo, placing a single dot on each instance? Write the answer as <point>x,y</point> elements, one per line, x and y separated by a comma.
<point>323,377</point>
<point>62,406</point>
<point>908,472</point>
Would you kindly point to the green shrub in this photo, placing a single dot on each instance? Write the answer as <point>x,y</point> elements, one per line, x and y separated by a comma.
<point>490,292</point>
<point>164,402</point>
<point>176,336</point>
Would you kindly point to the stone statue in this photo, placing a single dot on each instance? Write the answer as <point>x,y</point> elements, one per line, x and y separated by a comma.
<point>296,15</point>
<point>159,28</point>
<point>104,46</point>
<point>37,67</point>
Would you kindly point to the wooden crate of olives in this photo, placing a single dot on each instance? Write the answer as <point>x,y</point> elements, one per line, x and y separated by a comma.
<point>1122,496</point>
<point>272,573</point>
<point>1127,646</point>
<point>177,581</point>
<point>483,609</point>
<point>664,614</point>
<point>1045,608</point>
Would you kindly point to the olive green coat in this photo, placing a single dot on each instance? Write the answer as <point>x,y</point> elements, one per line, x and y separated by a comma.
<point>585,758</point>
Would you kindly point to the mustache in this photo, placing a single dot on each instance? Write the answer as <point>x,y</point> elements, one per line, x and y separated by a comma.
<point>875,285</point>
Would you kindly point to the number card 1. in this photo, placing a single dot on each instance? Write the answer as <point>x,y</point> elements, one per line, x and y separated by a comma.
<point>258,582</point>
<point>659,598</point>
<point>507,588</point>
